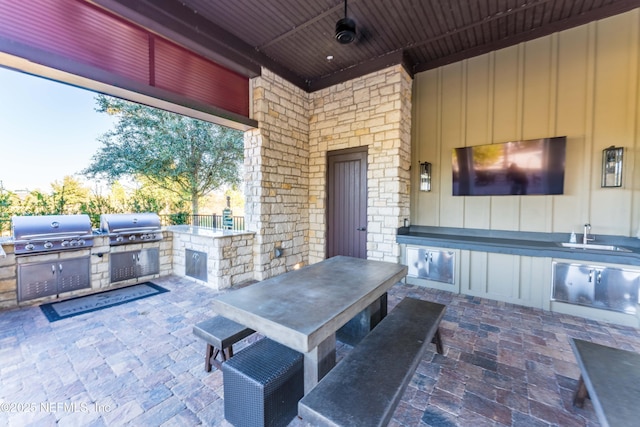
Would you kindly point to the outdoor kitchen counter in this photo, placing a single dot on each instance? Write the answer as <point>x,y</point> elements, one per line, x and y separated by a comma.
<point>519,243</point>
<point>216,258</point>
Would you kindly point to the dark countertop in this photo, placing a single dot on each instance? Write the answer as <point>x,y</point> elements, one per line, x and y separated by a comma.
<point>520,243</point>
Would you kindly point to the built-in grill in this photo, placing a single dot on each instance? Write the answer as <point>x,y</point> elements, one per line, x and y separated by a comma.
<point>51,233</point>
<point>131,228</point>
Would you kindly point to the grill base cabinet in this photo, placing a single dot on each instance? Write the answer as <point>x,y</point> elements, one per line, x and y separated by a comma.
<point>41,279</point>
<point>134,264</point>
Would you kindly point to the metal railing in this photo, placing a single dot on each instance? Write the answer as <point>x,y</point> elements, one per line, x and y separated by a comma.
<point>206,221</point>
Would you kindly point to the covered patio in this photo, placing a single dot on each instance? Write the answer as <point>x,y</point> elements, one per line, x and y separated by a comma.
<point>140,364</point>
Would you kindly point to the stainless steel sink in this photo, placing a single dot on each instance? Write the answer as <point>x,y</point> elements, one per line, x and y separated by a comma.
<point>593,246</point>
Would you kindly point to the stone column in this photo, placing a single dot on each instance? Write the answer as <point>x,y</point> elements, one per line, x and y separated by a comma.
<point>277,176</point>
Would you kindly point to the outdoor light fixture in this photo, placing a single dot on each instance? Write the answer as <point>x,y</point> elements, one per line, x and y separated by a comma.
<point>612,167</point>
<point>425,176</point>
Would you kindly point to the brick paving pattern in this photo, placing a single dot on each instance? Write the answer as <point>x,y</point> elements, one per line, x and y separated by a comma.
<point>139,364</point>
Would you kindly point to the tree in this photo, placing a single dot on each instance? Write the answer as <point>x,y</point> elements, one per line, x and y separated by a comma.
<point>7,199</point>
<point>185,156</point>
<point>68,196</point>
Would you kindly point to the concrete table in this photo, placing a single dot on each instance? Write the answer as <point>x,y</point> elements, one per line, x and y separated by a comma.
<point>611,379</point>
<point>304,308</point>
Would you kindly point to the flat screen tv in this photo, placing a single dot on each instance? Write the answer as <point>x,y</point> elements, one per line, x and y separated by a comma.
<point>529,167</point>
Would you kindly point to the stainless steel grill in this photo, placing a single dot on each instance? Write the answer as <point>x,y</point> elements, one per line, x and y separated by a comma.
<point>51,233</point>
<point>123,229</point>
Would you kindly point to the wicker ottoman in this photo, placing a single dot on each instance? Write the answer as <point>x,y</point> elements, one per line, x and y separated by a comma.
<point>262,385</point>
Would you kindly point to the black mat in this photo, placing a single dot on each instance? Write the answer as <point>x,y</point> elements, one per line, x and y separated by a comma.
<point>94,302</point>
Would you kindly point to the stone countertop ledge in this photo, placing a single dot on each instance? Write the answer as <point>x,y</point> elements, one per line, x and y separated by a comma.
<point>205,232</point>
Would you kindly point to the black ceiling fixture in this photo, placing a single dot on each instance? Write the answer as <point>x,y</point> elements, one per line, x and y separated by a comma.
<point>345,28</point>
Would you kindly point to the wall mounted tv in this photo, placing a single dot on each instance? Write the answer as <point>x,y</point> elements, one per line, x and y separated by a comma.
<point>529,167</point>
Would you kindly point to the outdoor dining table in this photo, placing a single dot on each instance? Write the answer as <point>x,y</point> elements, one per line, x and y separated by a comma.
<point>304,308</point>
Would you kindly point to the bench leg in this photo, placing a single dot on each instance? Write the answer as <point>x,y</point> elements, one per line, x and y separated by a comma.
<point>211,355</point>
<point>581,394</point>
<point>208,356</point>
<point>437,340</point>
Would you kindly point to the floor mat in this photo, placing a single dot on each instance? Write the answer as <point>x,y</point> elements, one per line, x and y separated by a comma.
<point>94,302</point>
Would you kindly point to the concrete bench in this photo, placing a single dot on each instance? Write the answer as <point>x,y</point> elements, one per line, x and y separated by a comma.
<point>366,386</point>
<point>220,334</point>
<point>610,377</point>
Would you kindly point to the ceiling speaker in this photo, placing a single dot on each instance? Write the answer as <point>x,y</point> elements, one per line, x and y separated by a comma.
<point>345,28</point>
<point>345,31</point>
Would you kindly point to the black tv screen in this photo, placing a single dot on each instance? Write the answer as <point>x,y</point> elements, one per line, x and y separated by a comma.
<point>528,167</point>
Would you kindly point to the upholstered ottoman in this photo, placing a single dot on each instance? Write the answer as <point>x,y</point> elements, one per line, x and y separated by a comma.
<point>262,385</point>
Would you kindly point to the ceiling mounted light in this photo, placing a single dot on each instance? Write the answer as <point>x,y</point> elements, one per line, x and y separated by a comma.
<point>345,28</point>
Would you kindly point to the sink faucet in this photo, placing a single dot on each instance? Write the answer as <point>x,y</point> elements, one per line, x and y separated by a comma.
<point>585,237</point>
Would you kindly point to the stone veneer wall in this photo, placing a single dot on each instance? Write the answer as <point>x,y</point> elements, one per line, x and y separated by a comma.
<point>8,286</point>
<point>374,111</point>
<point>277,175</point>
<point>286,160</point>
<point>229,257</point>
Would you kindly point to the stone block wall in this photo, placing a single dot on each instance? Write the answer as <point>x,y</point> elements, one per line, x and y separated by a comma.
<point>229,256</point>
<point>277,175</point>
<point>374,111</point>
<point>286,162</point>
<point>8,285</point>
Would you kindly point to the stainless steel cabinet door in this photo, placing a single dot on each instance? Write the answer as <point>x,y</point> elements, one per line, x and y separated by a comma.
<point>148,262</point>
<point>618,290</point>
<point>431,264</point>
<point>74,274</point>
<point>123,266</point>
<point>573,283</point>
<point>37,280</point>
<point>196,264</point>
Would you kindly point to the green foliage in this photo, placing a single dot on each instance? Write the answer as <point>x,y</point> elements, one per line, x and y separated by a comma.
<point>179,218</point>
<point>7,200</point>
<point>184,156</point>
<point>71,197</point>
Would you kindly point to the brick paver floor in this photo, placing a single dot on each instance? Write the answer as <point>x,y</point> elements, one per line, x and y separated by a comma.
<point>139,364</point>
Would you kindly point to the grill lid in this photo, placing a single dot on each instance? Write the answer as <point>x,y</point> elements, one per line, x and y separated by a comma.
<point>129,223</point>
<point>50,227</point>
<point>49,233</point>
<point>131,228</point>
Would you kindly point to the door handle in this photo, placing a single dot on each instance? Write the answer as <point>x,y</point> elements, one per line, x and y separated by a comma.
<point>361,228</point>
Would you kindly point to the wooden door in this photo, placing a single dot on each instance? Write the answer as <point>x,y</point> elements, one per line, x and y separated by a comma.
<point>347,203</point>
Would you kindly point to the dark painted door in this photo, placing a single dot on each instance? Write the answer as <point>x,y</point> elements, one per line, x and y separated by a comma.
<point>347,203</point>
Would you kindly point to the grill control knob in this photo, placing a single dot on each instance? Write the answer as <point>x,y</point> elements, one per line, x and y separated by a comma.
<point>119,239</point>
<point>64,243</point>
<point>81,242</point>
<point>48,245</point>
<point>132,237</point>
<point>74,243</point>
<point>29,247</point>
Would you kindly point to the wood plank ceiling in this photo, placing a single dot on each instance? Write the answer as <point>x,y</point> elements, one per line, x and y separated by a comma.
<point>294,38</point>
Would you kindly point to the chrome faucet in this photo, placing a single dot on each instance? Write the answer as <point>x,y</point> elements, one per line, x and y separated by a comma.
<point>585,237</point>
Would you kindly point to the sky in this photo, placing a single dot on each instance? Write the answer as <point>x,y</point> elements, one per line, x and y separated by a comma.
<point>47,130</point>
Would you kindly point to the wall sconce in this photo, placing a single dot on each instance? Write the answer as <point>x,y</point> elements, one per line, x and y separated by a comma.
<point>277,251</point>
<point>612,167</point>
<point>425,176</point>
